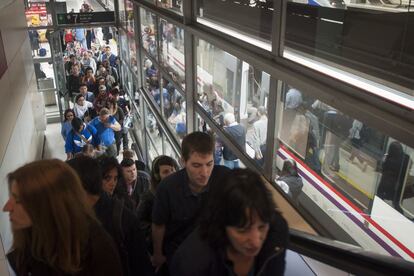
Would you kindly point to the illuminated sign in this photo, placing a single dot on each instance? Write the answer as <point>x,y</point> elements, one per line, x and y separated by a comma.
<point>85,17</point>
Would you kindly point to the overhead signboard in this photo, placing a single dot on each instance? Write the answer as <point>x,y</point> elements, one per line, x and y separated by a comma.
<point>85,17</point>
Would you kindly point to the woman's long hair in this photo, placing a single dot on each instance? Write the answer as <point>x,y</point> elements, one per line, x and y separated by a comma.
<point>233,203</point>
<point>53,197</point>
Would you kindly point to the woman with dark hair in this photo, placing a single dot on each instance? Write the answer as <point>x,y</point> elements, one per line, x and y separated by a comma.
<point>289,180</point>
<point>241,233</point>
<point>68,116</point>
<point>111,172</point>
<point>162,166</point>
<point>54,230</point>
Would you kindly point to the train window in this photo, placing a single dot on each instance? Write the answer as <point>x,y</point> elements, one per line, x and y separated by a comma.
<point>325,34</point>
<point>249,20</point>
<point>172,51</point>
<point>151,80</point>
<point>129,16</point>
<point>174,109</point>
<point>234,93</point>
<point>149,32</point>
<point>348,170</point>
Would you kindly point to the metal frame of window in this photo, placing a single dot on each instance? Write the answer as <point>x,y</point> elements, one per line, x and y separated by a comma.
<point>383,115</point>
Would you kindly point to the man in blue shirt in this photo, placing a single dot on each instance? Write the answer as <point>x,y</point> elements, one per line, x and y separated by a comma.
<point>105,126</point>
<point>78,137</point>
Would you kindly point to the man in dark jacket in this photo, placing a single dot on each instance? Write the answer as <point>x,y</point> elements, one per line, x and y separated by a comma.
<point>238,133</point>
<point>180,197</point>
<point>119,222</point>
<point>133,182</point>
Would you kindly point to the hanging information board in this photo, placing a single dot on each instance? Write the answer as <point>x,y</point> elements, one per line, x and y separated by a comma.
<point>85,17</point>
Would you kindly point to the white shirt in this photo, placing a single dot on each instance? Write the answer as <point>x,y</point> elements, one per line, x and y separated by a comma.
<point>80,110</point>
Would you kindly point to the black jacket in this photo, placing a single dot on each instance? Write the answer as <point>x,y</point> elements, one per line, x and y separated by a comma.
<point>196,257</point>
<point>101,258</point>
<point>239,134</point>
<point>126,234</point>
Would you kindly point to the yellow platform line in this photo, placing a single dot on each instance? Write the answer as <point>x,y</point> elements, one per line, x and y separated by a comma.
<point>353,184</point>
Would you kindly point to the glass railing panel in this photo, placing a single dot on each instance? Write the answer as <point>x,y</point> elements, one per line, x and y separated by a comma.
<point>172,51</point>
<point>235,95</point>
<point>149,32</point>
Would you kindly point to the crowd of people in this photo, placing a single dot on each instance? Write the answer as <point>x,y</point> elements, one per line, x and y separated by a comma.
<point>100,116</point>
<point>95,216</point>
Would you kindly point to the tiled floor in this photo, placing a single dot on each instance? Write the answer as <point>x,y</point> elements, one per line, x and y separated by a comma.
<point>54,144</point>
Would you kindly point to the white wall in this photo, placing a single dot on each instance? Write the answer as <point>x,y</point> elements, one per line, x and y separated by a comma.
<point>20,141</point>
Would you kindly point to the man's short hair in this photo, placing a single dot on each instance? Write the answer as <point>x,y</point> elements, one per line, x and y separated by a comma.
<point>83,84</point>
<point>102,87</point>
<point>104,111</point>
<point>199,142</point>
<point>127,162</point>
<point>89,172</point>
<point>76,123</point>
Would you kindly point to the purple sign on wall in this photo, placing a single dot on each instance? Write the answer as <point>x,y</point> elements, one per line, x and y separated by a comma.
<point>3,61</point>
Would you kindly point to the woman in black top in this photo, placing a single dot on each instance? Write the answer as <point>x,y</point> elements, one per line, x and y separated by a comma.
<point>54,230</point>
<point>240,234</point>
<point>162,166</point>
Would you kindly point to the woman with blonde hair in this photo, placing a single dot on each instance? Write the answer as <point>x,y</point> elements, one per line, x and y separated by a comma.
<point>54,230</point>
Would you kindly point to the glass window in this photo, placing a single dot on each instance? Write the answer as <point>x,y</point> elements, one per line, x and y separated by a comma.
<point>122,13</point>
<point>235,95</point>
<point>39,42</point>
<point>169,150</point>
<point>38,13</point>
<point>138,128</point>
<point>125,53</point>
<point>172,51</point>
<point>45,76</point>
<point>356,176</point>
<point>331,33</point>
<point>174,109</point>
<point>154,133</point>
<point>149,32</point>
<point>151,80</point>
<point>132,54</point>
<point>64,6</point>
<point>249,20</point>
<point>130,20</point>
<point>172,5</point>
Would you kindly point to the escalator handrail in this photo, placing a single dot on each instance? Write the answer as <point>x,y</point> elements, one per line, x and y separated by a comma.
<point>347,257</point>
